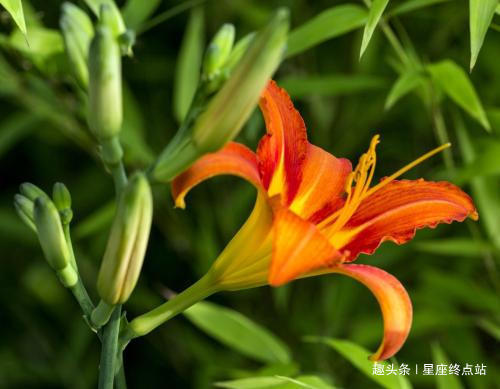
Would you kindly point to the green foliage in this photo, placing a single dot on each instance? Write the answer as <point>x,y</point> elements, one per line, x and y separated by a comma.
<point>326,25</point>
<point>188,64</point>
<point>481,14</point>
<point>454,82</point>
<point>15,9</point>
<point>376,10</point>
<point>238,332</point>
<point>358,356</point>
<point>407,88</point>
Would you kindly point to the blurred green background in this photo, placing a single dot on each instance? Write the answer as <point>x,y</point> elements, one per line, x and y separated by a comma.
<point>451,273</point>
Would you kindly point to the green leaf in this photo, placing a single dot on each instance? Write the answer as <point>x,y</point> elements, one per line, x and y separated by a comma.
<point>461,247</point>
<point>376,10</point>
<point>328,24</point>
<point>276,382</point>
<point>135,12</point>
<point>485,193</point>
<point>306,381</point>
<point>331,85</point>
<point>480,16</point>
<point>487,163</point>
<point>411,5</point>
<point>406,83</point>
<point>251,383</point>
<point>490,327</point>
<point>43,43</point>
<point>358,356</point>
<point>456,84</point>
<point>238,332</point>
<point>15,9</point>
<point>447,381</point>
<point>187,70</point>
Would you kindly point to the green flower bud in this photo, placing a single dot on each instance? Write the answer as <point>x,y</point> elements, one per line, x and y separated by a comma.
<point>233,104</point>
<point>51,236</point>
<point>218,51</point>
<point>237,53</point>
<point>124,255</point>
<point>62,201</point>
<point>77,32</point>
<point>105,85</point>
<point>31,191</point>
<point>110,15</point>
<point>24,208</point>
<point>229,109</point>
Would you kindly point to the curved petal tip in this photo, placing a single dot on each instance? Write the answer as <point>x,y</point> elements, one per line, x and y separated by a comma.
<point>394,302</point>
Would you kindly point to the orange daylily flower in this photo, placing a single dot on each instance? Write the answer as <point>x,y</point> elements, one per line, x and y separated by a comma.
<point>315,215</point>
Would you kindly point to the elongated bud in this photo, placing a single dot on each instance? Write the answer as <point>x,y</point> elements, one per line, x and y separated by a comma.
<point>105,85</point>
<point>24,208</point>
<point>110,15</point>
<point>51,236</point>
<point>237,53</point>
<point>77,32</point>
<point>230,108</point>
<point>31,191</point>
<point>122,261</point>
<point>218,51</point>
<point>222,121</point>
<point>62,201</point>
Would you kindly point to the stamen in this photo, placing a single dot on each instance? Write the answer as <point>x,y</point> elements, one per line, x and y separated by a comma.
<point>403,170</point>
<point>362,176</point>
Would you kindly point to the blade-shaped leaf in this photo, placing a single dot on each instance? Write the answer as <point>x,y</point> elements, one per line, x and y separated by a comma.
<point>461,247</point>
<point>487,163</point>
<point>411,5</point>
<point>445,381</point>
<point>404,84</point>
<point>328,24</point>
<point>238,332</point>
<point>251,383</point>
<point>276,382</point>
<point>358,356</point>
<point>15,9</point>
<point>454,81</point>
<point>187,70</point>
<point>376,10</point>
<point>480,16</point>
<point>485,193</point>
<point>490,327</point>
<point>331,85</point>
<point>135,12</point>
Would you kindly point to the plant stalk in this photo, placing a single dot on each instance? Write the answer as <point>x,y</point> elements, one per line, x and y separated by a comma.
<point>109,350</point>
<point>147,322</point>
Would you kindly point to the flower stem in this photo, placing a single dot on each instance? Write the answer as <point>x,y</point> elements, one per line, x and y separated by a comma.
<point>147,322</point>
<point>120,379</point>
<point>109,350</point>
<point>119,177</point>
<point>78,290</point>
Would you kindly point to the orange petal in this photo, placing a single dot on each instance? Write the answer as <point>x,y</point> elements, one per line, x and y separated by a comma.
<point>234,158</point>
<point>393,300</point>
<point>298,247</point>
<point>323,185</point>
<point>282,151</point>
<point>398,209</point>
